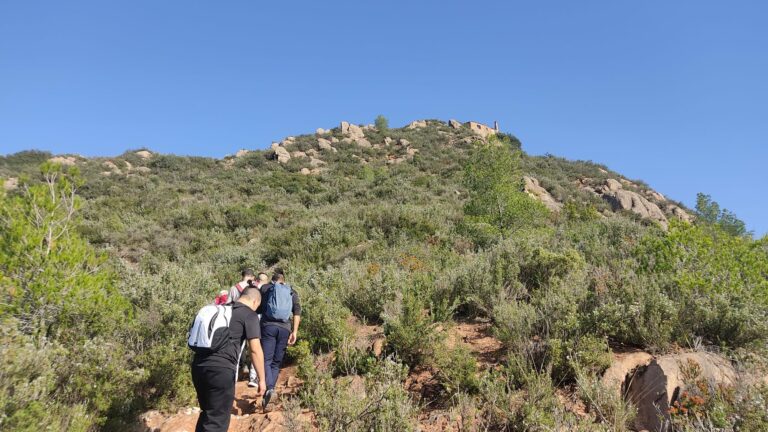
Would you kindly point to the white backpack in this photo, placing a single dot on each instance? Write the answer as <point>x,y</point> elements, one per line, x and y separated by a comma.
<point>210,330</point>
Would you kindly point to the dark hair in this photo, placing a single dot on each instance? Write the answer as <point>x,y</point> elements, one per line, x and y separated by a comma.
<point>247,272</point>
<point>278,273</point>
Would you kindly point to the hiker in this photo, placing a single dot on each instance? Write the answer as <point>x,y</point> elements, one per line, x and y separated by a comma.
<point>261,279</point>
<point>237,289</point>
<point>214,373</point>
<point>279,303</point>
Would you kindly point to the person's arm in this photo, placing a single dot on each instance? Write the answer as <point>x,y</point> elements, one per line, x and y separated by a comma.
<point>296,318</point>
<point>257,359</point>
<point>295,332</point>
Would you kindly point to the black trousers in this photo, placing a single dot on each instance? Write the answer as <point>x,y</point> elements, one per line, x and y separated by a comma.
<point>215,388</point>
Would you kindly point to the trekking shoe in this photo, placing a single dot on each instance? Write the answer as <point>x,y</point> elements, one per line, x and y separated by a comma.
<point>267,397</point>
<point>253,383</point>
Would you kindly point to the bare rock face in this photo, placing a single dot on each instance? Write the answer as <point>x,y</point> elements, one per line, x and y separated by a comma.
<point>454,124</point>
<point>534,189</point>
<point>352,131</point>
<point>480,129</point>
<point>112,167</point>
<point>417,124</point>
<point>654,388</point>
<point>144,154</point>
<point>622,365</point>
<point>11,183</point>
<point>679,213</point>
<point>63,160</point>
<point>282,154</point>
<point>622,199</point>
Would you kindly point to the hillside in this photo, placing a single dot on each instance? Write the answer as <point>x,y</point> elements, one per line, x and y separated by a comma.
<point>450,281</point>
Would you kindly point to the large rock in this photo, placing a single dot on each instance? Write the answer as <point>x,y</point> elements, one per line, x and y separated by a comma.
<point>622,366</point>
<point>454,124</point>
<point>241,153</point>
<point>11,183</point>
<point>324,144</point>
<point>63,160</point>
<point>480,129</point>
<point>534,189</point>
<point>622,199</point>
<point>362,142</point>
<point>282,154</point>
<point>320,131</point>
<point>352,131</point>
<point>112,167</point>
<point>418,124</point>
<point>654,388</point>
<point>144,154</point>
<point>679,213</point>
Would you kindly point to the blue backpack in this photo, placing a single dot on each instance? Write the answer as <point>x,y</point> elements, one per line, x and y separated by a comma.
<point>279,305</point>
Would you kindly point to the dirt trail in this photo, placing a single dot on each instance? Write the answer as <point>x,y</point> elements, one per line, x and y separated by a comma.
<point>248,416</point>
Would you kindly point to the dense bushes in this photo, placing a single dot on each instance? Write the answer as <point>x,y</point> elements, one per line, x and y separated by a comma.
<point>410,246</point>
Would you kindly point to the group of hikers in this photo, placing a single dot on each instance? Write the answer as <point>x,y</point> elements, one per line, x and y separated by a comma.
<point>260,312</point>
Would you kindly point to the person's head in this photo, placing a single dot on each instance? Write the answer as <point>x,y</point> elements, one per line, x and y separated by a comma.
<point>262,278</point>
<point>251,297</point>
<point>248,274</point>
<point>278,275</point>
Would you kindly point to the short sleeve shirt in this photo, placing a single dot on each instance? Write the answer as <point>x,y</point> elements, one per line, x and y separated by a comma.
<point>244,326</point>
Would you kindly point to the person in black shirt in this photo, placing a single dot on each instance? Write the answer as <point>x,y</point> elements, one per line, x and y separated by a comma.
<point>214,374</point>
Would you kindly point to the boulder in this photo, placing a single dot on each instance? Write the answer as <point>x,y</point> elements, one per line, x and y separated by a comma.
<point>306,171</point>
<point>362,142</point>
<point>387,140</point>
<point>128,165</point>
<point>613,185</point>
<point>112,167</point>
<point>411,152</point>
<point>241,153</point>
<point>417,124</point>
<point>320,131</point>
<point>144,170</point>
<point>622,365</point>
<point>298,154</point>
<point>534,189</point>
<point>652,194</point>
<point>404,142</point>
<point>312,153</point>
<point>144,154</point>
<point>679,213</point>
<point>654,388</point>
<point>324,144</point>
<point>11,183</point>
<point>454,124</point>
<point>314,162</point>
<point>621,199</point>
<point>282,154</point>
<point>352,131</point>
<point>63,160</point>
<point>334,140</point>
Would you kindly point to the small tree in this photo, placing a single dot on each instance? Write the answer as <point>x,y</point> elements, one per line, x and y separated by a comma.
<point>382,124</point>
<point>495,181</point>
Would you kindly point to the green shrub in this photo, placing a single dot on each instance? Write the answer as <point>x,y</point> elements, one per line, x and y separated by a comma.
<point>457,371</point>
<point>410,332</point>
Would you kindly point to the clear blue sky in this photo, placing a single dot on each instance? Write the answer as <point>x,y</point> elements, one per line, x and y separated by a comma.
<point>671,92</point>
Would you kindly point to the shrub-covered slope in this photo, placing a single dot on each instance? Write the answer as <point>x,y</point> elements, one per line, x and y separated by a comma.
<point>412,229</point>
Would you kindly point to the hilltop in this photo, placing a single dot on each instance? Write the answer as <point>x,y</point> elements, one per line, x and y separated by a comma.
<point>450,281</point>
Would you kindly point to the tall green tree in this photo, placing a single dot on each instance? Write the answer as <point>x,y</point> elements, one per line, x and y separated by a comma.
<point>63,366</point>
<point>494,178</point>
<point>709,212</point>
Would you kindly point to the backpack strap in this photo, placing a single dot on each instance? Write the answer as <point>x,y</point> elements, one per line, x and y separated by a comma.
<point>239,288</point>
